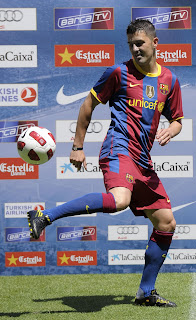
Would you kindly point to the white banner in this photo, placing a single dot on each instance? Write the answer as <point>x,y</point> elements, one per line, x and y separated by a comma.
<point>173,166</point>
<point>66,170</point>
<point>18,19</point>
<point>24,56</point>
<point>20,94</point>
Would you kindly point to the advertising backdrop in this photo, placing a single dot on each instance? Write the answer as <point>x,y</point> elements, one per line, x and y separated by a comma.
<point>52,52</point>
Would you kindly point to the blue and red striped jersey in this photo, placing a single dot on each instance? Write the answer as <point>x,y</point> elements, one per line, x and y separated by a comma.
<point>136,100</point>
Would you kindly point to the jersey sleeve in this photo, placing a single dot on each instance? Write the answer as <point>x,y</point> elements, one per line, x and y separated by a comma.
<point>107,85</point>
<point>173,106</point>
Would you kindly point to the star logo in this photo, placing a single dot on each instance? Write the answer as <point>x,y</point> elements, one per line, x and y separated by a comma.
<point>66,56</point>
<point>12,260</point>
<point>64,259</point>
<point>115,257</point>
<point>67,167</point>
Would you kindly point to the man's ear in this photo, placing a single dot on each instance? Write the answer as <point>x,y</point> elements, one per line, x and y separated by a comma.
<point>155,42</point>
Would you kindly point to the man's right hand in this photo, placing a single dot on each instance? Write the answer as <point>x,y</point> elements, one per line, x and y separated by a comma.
<point>77,158</point>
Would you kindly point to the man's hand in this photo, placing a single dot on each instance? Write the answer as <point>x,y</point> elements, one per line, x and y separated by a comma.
<point>77,158</point>
<point>164,136</point>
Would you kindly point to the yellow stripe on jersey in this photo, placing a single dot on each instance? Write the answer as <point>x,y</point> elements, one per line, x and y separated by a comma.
<point>148,73</point>
<point>176,119</point>
<point>95,95</point>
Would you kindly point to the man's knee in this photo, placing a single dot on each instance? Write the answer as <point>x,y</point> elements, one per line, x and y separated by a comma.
<point>122,197</point>
<point>162,219</point>
<point>173,225</point>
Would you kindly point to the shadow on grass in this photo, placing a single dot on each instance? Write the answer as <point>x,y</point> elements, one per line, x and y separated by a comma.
<point>82,304</point>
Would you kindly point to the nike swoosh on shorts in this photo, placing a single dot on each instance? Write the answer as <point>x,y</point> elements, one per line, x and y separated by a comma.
<point>63,99</point>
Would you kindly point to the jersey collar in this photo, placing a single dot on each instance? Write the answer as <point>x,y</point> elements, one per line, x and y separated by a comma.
<point>148,73</point>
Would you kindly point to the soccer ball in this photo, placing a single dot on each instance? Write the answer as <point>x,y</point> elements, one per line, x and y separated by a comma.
<point>36,145</point>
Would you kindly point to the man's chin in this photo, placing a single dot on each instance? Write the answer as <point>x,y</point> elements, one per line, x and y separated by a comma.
<point>140,61</point>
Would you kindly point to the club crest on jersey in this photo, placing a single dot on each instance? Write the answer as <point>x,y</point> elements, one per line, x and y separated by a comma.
<point>150,92</point>
<point>129,178</point>
<point>164,88</point>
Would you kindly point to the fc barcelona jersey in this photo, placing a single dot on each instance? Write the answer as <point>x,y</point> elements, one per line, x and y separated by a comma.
<point>136,99</point>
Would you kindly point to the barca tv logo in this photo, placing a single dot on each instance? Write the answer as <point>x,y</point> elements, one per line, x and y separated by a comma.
<point>21,235</point>
<point>94,55</point>
<point>165,18</point>
<point>10,130</point>
<point>84,18</point>
<point>76,233</point>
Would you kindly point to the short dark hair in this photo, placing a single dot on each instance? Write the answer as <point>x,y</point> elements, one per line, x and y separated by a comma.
<point>141,25</point>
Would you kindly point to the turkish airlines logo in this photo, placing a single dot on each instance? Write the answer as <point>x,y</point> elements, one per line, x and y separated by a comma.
<point>20,209</point>
<point>16,168</point>
<point>28,94</point>
<point>84,55</point>
<point>25,259</point>
<point>76,258</point>
<point>84,18</point>
<point>174,54</point>
<point>18,19</point>
<point>20,94</point>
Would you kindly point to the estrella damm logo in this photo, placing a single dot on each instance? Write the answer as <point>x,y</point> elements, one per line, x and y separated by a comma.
<point>164,88</point>
<point>129,178</point>
<point>141,103</point>
<point>150,92</point>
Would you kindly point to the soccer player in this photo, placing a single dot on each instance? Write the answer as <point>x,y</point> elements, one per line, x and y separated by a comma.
<point>138,91</point>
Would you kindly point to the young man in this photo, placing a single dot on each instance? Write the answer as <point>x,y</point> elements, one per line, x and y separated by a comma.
<point>138,91</point>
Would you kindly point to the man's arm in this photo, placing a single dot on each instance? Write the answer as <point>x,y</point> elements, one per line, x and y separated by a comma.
<point>84,118</point>
<point>165,135</point>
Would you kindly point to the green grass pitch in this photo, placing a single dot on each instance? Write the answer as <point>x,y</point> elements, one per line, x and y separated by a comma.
<point>103,296</point>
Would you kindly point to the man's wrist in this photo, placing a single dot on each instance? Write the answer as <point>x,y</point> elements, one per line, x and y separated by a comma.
<point>74,148</point>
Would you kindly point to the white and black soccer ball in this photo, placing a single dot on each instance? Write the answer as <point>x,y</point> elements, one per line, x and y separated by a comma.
<point>36,145</point>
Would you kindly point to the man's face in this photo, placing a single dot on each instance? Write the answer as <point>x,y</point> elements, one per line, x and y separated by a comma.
<point>142,47</point>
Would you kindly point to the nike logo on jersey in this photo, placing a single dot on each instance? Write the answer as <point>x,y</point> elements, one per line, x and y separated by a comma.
<point>134,85</point>
<point>63,99</point>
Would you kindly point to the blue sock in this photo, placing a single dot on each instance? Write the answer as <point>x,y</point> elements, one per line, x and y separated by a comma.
<point>89,203</point>
<point>155,255</point>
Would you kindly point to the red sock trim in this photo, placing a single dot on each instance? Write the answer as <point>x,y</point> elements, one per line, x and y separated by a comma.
<point>109,204</point>
<point>161,236</point>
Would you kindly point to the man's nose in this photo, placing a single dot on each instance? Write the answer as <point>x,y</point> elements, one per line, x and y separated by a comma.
<point>135,48</point>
